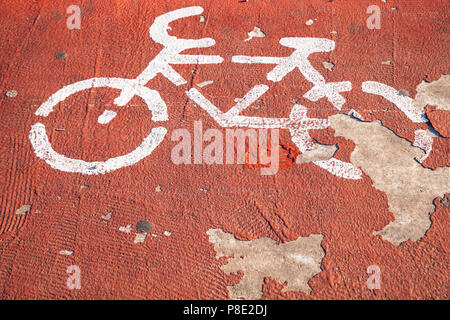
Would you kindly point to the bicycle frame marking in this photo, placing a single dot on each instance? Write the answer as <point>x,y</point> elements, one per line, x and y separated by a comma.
<point>298,123</point>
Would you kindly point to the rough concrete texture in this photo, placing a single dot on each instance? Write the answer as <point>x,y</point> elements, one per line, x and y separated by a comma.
<point>294,262</point>
<point>390,163</point>
<point>317,153</point>
<point>70,211</point>
<point>435,93</point>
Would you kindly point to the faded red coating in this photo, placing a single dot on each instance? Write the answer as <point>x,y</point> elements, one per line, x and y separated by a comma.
<point>303,199</point>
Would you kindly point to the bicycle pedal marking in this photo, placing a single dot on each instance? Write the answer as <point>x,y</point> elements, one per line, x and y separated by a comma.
<point>297,123</point>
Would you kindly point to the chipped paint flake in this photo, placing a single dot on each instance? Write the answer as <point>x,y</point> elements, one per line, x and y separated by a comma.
<point>389,161</point>
<point>126,229</point>
<point>328,65</point>
<point>23,210</point>
<point>255,33</point>
<point>355,114</point>
<point>205,83</point>
<point>317,153</point>
<point>140,237</point>
<point>295,262</point>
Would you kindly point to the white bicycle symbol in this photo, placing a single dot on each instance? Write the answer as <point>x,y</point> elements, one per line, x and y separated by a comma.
<point>298,123</point>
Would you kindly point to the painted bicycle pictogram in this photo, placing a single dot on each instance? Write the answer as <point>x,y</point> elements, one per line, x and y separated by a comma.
<point>297,123</point>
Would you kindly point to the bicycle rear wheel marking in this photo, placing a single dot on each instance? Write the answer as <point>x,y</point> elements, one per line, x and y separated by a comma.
<point>44,150</point>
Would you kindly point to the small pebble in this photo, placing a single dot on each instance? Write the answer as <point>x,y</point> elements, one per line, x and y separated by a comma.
<point>144,226</point>
<point>309,22</point>
<point>61,55</point>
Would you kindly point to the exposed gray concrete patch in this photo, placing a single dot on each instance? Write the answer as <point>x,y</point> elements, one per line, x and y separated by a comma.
<point>389,161</point>
<point>317,153</point>
<point>446,202</point>
<point>436,93</point>
<point>295,262</point>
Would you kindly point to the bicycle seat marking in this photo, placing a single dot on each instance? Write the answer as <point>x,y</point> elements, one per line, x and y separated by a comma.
<point>298,123</point>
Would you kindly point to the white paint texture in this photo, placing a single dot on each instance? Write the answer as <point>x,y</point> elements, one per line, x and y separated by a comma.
<point>106,116</point>
<point>424,141</point>
<point>299,59</point>
<point>404,103</point>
